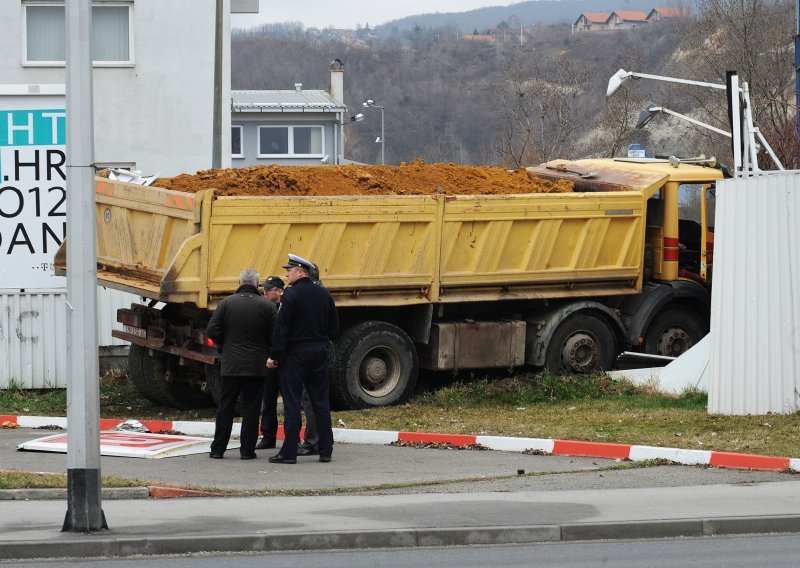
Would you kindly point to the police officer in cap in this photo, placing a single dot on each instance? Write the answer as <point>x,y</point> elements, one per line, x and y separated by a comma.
<point>273,290</point>
<point>306,323</point>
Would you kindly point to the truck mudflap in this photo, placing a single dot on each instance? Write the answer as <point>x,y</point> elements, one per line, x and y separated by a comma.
<point>542,327</point>
<point>157,344</point>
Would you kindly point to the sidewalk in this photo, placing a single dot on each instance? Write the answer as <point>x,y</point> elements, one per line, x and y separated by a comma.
<point>375,495</point>
<point>339,522</point>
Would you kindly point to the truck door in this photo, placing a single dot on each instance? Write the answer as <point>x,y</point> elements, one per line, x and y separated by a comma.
<point>708,210</point>
<point>690,230</point>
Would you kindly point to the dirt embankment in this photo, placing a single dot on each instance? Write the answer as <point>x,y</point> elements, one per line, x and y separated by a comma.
<point>415,178</point>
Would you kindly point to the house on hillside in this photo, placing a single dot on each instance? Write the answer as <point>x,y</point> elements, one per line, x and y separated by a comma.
<point>626,20</point>
<point>289,127</point>
<point>591,22</point>
<point>660,13</point>
<point>479,37</point>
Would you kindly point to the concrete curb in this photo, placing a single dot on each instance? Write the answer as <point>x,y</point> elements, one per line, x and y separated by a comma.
<point>499,443</point>
<point>105,493</point>
<point>96,545</point>
<point>154,492</point>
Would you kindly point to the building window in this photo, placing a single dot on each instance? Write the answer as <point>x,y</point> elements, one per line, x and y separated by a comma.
<point>45,29</point>
<point>293,141</point>
<point>237,146</point>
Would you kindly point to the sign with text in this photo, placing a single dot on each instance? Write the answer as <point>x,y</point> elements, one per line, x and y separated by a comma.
<point>131,444</point>
<point>33,174</point>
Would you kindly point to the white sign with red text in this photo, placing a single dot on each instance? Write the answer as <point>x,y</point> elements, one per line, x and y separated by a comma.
<point>131,444</point>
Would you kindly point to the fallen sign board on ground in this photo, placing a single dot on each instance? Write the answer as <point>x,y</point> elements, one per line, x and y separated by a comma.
<point>131,444</point>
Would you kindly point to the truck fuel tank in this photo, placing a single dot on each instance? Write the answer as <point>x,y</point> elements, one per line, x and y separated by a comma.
<point>474,345</point>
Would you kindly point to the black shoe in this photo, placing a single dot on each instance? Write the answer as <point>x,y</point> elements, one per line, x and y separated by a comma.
<point>277,458</point>
<point>306,450</point>
<point>214,456</point>
<point>266,444</point>
<point>250,456</point>
<point>325,459</point>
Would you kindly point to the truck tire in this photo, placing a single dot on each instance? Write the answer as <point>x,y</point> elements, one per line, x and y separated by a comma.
<point>375,365</point>
<point>214,381</point>
<point>673,332</point>
<point>184,390</point>
<point>140,369</point>
<point>582,343</point>
<point>149,375</point>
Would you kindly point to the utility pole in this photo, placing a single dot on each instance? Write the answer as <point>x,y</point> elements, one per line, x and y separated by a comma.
<point>216,128</point>
<point>797,67</point>
<point>84,511</point>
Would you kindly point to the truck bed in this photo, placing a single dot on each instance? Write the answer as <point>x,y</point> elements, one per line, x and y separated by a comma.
<point>372,250</point>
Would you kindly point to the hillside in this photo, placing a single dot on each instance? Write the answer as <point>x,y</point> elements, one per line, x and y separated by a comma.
<point>537,13</point>
<point>508,104</point>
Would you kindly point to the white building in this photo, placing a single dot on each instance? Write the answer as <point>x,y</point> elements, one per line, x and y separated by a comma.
<point>154,110</point>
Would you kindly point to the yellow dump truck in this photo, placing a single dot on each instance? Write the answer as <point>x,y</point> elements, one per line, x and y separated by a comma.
<point>565,281</point>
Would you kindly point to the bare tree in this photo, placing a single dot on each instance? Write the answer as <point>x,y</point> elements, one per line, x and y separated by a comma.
<point>754,38</point>
<point>537,108</point>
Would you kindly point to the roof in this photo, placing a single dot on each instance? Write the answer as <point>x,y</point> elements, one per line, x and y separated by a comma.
<point>285,101</point>
<point>595,17</point>
<point>669,12</point>
<point>478,37</point>
<point>630,15</point>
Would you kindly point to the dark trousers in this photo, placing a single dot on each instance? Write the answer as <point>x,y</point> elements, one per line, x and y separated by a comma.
<point>305,366</point>
<point>231,387</point>
<point>269,412</point>
<point>269,406</point>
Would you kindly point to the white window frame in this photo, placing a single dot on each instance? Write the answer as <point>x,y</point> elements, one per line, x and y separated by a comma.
<point>291,153</point>
<point>240,128</point>
<point>130,62</point>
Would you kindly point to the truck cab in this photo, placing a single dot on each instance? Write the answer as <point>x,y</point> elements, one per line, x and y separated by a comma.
<point>672,312</point>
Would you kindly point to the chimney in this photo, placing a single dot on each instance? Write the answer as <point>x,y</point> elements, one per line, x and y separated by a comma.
<point>337,80</point>
<point>298,87</point>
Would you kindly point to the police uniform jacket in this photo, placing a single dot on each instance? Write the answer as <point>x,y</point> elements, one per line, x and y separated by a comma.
<point>242,327</point>
<point>307,316</point>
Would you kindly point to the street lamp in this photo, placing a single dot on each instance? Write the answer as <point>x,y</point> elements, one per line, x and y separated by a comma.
<point>382,139</point>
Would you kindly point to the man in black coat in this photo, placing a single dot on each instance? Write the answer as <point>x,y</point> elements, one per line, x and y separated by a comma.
<point>273,290</point>
<point>242,328</point>
<point>306,323</point>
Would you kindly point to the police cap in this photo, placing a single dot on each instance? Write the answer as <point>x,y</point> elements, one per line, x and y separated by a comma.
<point>273,282</point>
<point>295,260</point>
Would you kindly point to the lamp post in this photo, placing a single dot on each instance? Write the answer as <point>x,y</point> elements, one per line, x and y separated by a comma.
<point>382,139</point>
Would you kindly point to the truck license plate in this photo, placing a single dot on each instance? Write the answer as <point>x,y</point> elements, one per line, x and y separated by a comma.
<point>138,332</point>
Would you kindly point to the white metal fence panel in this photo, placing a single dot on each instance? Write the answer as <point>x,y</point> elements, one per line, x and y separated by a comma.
<point>33,351</point>
<point>755,305</point>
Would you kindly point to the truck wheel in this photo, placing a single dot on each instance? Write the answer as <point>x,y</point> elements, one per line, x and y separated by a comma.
<point>582,343</point>
<point>673,332</point>
<point>183,390</point>
<point>214,381</point>
<point>149,375</point>
<point>375,365</point>
<point>141,367</point>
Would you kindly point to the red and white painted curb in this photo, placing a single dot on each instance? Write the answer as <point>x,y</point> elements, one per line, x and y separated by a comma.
<point>499,443</point>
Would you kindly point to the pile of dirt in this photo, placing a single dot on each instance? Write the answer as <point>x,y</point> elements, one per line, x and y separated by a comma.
<point>415,178</point>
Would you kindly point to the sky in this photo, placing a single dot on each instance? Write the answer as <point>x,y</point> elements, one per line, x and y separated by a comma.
<point>349,13</point>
